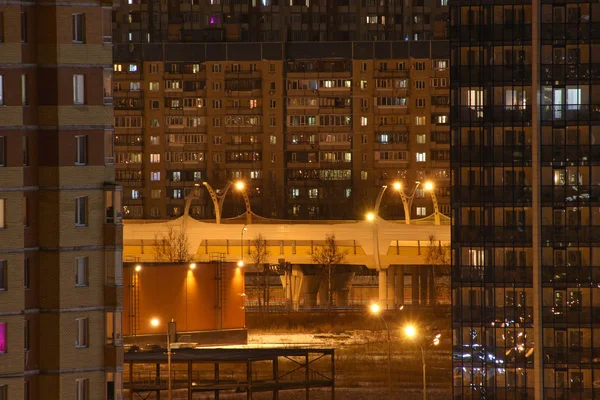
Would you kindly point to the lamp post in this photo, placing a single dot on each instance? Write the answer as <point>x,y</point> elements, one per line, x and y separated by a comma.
<point>244,229</point>
<point>411,332</point>
<point>155,322</point>
<point>431,189</point>
<point>376,310</point>
<point>406,200</point>
<point>218,199</point>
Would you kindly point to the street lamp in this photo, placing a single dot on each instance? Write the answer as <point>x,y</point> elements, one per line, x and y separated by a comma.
<point>376,310</point>
<point>193,266</point>
<point>410,331</point>
<point>244,229</point>
<point>138,268</point>
<point>155,323</point>
<point>429,187</point>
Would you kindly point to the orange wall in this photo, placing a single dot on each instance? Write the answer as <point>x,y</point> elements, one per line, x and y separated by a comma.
<point>189,296</point>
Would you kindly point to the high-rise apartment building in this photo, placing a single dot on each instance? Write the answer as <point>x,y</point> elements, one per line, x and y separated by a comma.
<point>60,220</point>
<point>314,130</point>
<point>138,21</point>
<point>218,91</point>
<point>525,94</point>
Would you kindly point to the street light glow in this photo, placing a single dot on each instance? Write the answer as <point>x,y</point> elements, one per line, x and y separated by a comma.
<point>138,268</point>
<point>429,186</point>
<point>397,186</point>
<point>370,216</point>
<point>410,331</point>
<point>240,263</point>
<point>239,185</point>
<point>375,309</point>
<point>193,266</point>
<point>155,322</point>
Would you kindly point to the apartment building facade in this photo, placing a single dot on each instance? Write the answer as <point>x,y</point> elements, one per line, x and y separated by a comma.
<point>60,219</point>
<point>138,21</point>
<point>313,129</point>
<point>525,96</point>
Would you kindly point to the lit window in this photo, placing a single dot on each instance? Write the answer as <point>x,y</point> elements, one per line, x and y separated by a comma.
<point>81,271</point>
<point>81,339</point>
<point>272,139</point>
<point>154,86</point>
<point>364,121</point>
<point>420,120</point>
<point>421,157</point>
<point>421,211</point>
<point>573,98</point>
<point>363,175</point>
<point>154,158</point>
<point>81,211</point>
<point>421,138</point>
<point>155,176</point>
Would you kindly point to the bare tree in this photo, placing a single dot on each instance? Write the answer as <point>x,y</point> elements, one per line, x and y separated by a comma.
<point>172,246</point>
<point>438,257</point>
<point>259,253</point>
<point>329,256</point>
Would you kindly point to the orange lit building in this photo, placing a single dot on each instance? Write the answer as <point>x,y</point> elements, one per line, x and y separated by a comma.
<point>202,298</point>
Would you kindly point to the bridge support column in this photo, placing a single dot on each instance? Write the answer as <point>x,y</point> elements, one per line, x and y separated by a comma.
<point>391,288</point>
<point>399,285</point>
<point>342,284</point>
<point>415,286</point>
<point>310,288</point>
<point>382,287</point>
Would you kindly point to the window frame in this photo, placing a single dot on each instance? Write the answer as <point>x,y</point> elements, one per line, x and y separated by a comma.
<point>78,89</point>
<point>3,275</point>
<point>81,150</point>
<point>78,28</point>
<point>81,212</point>
<point>82,333</point>
<point>81,271</point>
<point>82,387</point>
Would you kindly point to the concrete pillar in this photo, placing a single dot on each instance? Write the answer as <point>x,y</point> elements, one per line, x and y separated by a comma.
<point>310,288</point>
<point>323,292</point>
<point>382,286</point>
<point>391,288</point>
<point>292,287</point>
<point>342,283</point>
<point>432,290</point>
<point>399,285</point>
<point>424,284</point>
<point>415,286</point>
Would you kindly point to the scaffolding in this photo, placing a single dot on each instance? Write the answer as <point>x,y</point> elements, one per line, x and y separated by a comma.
<point>229,371</point>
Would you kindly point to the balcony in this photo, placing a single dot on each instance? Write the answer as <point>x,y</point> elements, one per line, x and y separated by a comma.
<point>113,356</point>
<point>113,296</point>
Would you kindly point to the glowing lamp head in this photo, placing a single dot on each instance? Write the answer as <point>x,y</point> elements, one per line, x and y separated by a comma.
<point>375,309</point>
<point>240,263</point>
<point>370,216</point>
<point>138,268</point>
<point>155,322</point>
<point>397,186</point>
<point>410,331</point>
<point>239,185</point>
<point>429,186</point>
<point>193,266</point>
